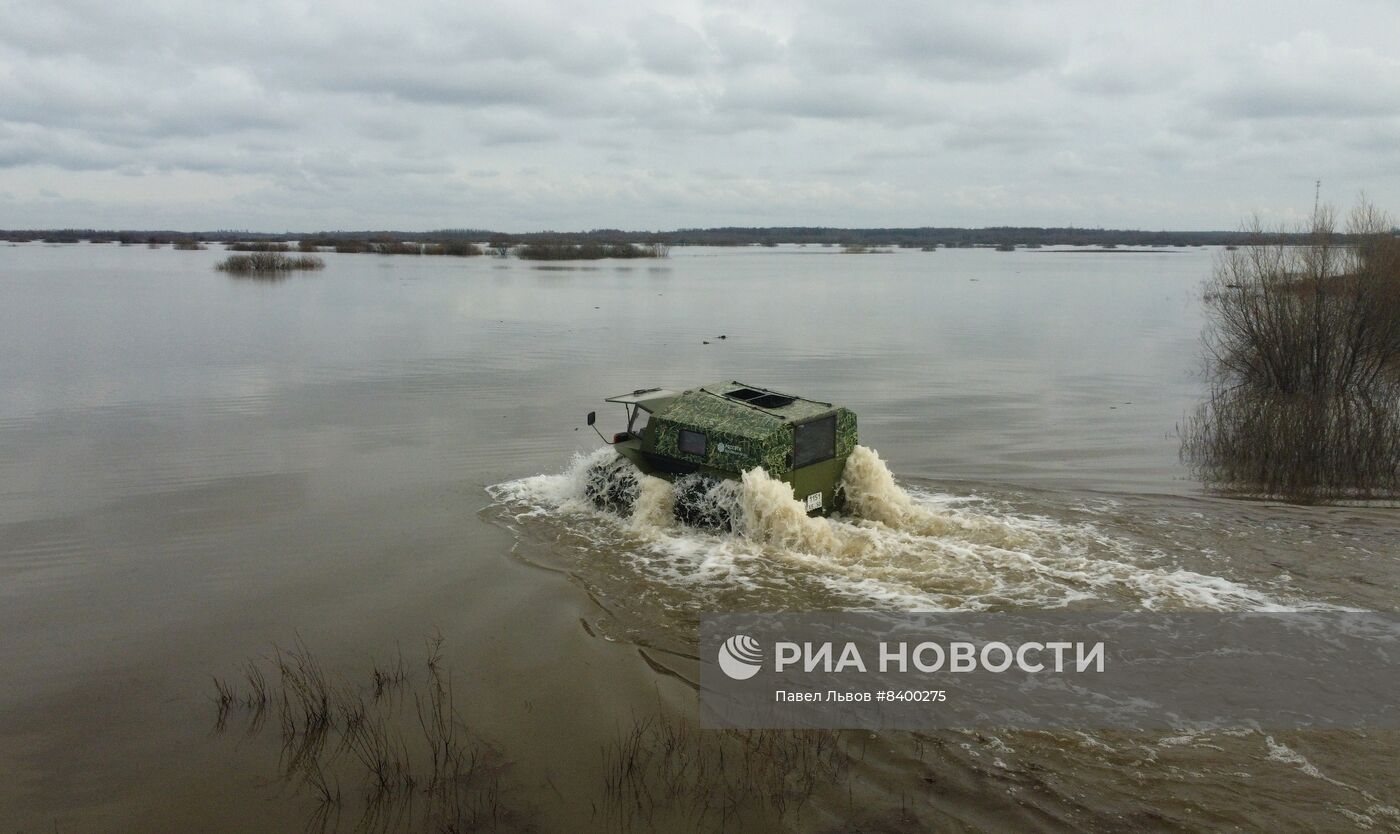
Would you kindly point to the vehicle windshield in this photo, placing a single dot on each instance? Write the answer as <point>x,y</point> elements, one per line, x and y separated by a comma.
<point>637,421</point>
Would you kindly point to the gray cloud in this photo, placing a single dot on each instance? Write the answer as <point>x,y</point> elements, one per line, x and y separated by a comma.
<point>954,42</point>
<point>1306,76</point>
<point>535,113</point>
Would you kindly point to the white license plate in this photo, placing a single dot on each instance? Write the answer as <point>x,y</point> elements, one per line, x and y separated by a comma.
<point>814,501</point>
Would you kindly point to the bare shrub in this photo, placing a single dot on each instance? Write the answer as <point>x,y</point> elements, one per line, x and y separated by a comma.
<point>458,248</point>
<point>261,246</point>
<point>268,262</point>
<point>395,247</point>
<point>1323,317</point>
<point>1303,352</point>
<point>1301,447</point>
<point>588,251</point>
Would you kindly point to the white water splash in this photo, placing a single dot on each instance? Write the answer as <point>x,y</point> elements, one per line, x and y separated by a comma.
<point>656,504</point>
<point>896,548</point>
<point>872,494</point>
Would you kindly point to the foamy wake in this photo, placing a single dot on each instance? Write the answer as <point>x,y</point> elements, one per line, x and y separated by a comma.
<point>894,547</point>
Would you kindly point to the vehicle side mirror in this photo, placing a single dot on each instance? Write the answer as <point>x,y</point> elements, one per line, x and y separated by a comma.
<point>592,417</point>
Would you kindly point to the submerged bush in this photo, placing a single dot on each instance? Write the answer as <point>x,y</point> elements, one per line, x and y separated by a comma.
<point>1303,350</point>
<point>589,251</point>
<point>459,249</point>
<point>1313,319</point>
<point>189,245</point>
<point>261,246</point>
<point>268,262</point>
<point>1300,447</point>
<point>395,247</point>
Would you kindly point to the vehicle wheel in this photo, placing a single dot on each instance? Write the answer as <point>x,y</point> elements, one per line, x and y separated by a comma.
<point>612,485</point>
<point>700,502</point>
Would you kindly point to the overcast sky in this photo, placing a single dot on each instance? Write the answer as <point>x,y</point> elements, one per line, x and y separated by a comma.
<point>534,114</point>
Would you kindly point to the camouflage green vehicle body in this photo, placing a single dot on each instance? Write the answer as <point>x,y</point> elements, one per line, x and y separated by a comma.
<point>725,429</point>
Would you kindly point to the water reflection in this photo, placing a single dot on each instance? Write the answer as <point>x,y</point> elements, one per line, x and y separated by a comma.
<point>260,277</point>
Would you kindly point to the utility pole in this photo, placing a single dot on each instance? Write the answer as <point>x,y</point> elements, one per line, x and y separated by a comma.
<point>1317,197</point>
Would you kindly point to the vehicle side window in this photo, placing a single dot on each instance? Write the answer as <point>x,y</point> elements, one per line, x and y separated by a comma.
<point>813,442</point>
<point>692,442</point>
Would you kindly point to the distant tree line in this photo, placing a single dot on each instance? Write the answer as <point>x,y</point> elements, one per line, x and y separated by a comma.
<point>920,237</point>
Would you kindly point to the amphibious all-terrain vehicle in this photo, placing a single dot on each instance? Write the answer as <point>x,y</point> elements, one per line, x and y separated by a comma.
<point>702,436</point>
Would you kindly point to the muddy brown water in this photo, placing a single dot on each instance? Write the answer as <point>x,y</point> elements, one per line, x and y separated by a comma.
<point>195,467</point>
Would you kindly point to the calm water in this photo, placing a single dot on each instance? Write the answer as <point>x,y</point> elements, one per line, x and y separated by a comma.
<point>195,467</point>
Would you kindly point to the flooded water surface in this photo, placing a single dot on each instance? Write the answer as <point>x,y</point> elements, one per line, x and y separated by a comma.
<point>374,474</point>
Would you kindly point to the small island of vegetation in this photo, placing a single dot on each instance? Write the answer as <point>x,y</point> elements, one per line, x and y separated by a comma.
<point>268,263</point>
<point>588,251</point>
